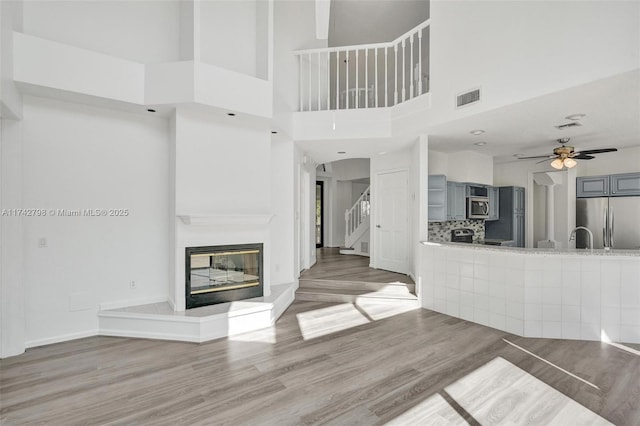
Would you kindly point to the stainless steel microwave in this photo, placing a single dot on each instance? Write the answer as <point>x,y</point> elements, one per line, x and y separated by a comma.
<point>477,207</point>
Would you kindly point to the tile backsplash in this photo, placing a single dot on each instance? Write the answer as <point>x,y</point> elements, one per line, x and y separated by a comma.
<point>441,231</point>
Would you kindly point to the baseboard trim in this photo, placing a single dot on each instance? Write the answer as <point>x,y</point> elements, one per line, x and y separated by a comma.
<point>132,302</point>
<point>61,338</point>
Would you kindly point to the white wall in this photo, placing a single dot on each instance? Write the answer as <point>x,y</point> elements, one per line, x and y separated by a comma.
<point>282,207</point>
<point>12,294</point>
<point>550,45</point>
<point>294,29</point>
<point>221,165</point>
<point>625,160</point>
<point>10,21</point>
<point>364,22</point>
<point>79,157</point>
<point>228,34</point>
<point>142,31</point>
<point>462,166</point>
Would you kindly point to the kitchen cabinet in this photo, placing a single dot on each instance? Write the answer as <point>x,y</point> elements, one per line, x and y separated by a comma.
<point>618,185</point>
<point>456,201</point>
<point>437,193</point>
<point>624,184</point>
<point>510,224</point>
<point>592,186</point>
<point>494,202</point>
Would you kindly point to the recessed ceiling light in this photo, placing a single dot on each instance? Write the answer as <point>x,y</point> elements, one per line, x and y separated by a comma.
<point>231,114</point>
<point>477,132</point>
<point>518,155</point>
<point>342,152</point>
<point>151,110</point>
<point>480,143</point>
<point>382,152</point>
<point>575,117</point>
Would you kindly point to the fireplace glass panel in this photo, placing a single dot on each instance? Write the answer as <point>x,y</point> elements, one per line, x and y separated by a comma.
<point>218,271</point>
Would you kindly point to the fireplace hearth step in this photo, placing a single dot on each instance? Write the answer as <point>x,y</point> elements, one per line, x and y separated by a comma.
<point>159,321</point>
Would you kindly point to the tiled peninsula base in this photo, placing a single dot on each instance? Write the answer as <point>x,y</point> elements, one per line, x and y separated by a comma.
<point>570,294</point>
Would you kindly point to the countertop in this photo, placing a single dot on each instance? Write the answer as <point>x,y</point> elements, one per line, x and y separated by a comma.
<point>544,251</point>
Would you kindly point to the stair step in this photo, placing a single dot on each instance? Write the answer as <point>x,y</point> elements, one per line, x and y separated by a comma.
<point>393,295</point>
<point>354,285</point>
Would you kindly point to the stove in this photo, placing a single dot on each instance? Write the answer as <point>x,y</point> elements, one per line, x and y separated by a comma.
<point>462,235</point>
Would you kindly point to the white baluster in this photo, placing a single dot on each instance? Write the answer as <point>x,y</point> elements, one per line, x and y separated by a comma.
<point>366,78</point>
<point>376,86</point>
<point>319,81</point>
<point>346,80</point>
<point>300,80</point>
<point>337,79</point>
<point>309,59</point>
<point>386,77</point>
<point>357,99</point>
<point>403,69</point>
<point>420,61</point>
<point>411,94</point>
<point>395,94</point>
<point>328,81</point>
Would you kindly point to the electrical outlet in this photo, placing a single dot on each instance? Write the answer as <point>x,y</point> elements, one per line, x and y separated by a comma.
<point>42,242</point>
<point>132,285</point>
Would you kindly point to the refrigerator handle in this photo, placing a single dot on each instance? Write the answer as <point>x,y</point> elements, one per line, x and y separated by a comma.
<point>611,217</point>
<point>605,227</point>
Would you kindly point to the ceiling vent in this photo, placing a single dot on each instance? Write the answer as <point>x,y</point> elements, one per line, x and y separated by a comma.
<point>568,125</point>
<point>468,98</point>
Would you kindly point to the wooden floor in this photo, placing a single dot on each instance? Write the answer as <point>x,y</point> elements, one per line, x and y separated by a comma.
<point>326,363</point>
<point>331,265</point>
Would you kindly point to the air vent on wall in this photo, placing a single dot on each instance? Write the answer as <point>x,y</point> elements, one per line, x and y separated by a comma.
<point>468,98</point>
<point>568,125</point>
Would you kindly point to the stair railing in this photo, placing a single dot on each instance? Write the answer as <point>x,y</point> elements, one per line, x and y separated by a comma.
<point>357,215</point>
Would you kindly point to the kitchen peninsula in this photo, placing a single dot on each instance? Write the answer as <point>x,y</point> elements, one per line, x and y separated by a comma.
<point>566,293</point>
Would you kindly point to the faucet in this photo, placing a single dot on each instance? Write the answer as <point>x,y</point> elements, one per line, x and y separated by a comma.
<point>573,235</point>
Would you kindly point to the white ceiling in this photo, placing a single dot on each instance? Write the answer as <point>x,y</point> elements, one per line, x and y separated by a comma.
<point>611,105</point>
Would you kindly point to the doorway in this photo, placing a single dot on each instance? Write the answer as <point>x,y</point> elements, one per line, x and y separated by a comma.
<point>392,221</point>
<point>319,214</point>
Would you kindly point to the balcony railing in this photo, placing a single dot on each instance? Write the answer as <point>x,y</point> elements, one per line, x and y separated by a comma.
<point>365,76</point>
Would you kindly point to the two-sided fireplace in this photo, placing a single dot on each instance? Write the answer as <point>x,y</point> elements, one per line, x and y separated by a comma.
<point>218,274</point>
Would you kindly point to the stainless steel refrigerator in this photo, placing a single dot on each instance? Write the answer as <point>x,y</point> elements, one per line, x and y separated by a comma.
<point>614,221</point>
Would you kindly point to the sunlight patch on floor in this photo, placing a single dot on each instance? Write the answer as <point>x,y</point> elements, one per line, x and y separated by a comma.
<point>606,339</point>
<point>377,310</point>
<point>500,393</point>
<point>433,411</point>
<point>332,319</point>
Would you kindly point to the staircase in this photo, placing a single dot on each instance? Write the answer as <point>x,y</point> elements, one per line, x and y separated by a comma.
<point>357,219</point>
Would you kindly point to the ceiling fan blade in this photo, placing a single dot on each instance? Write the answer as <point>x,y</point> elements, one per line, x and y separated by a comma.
<point>536,156</point>
<point>596,151</point>
<point>543,161</point>
<point>583,156</point>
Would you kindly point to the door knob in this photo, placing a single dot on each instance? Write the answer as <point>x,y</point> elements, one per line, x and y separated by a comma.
<point>378,226</point>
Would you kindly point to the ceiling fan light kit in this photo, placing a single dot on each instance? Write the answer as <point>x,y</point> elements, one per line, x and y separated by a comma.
<point>566,156</point>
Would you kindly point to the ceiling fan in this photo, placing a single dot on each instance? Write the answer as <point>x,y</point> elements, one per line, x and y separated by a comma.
<point>565,156</point>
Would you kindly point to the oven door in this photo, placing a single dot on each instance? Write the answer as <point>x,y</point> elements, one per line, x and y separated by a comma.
<point>477,208</point>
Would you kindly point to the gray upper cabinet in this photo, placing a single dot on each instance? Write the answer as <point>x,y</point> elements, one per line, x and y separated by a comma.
<point>625,184</point>
<point>456,205</point>
<point>619,185</point>
<point>494,202</point>
<point>592,186</point>
<point>437,208</point>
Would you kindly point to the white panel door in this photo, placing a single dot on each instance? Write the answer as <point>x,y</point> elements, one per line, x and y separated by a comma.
<point>392,222</point>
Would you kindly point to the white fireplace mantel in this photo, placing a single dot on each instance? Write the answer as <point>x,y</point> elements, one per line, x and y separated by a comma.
<point>225,219</point>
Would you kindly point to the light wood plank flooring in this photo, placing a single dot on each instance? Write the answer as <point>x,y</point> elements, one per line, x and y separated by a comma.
<point>331,364</point>
<point>331,265</point>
